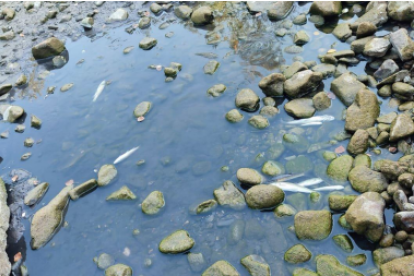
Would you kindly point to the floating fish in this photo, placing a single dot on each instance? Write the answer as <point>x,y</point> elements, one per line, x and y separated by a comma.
<point>290,187</point>
<point>125,155</point>
<point>330,188</point>
<point>310,182</point>
<point>323,118</point>
<point>99,90</point>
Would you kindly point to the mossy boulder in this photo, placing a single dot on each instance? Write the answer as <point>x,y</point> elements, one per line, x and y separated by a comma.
<point>363,112</point>
<point>364,179</point>
<point>313,225</point>
<point>340,167</point>
<point>264,196</point>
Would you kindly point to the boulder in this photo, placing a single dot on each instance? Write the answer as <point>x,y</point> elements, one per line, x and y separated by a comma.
<point>256,265</point>
<point>363,112</point>
<point>401,127</point>
<point>313,225</point>
<point>364,179</point>
<point>272,85</point>
<point>326,9</point>
<point>358,143</point>
<point>203,15</point>
<point>177,242</point>
<point>48,48</point>
<point>300,108</point>
<point>398,267</point>
<point>345,87</point>
<point>377,47</point>
<point>340,167</point>
<point>247,100</point>
<point>401,10</point>
<point>403,43</point>
<point>366,215</point>
<point>264,196</point>
<point>302,83</point>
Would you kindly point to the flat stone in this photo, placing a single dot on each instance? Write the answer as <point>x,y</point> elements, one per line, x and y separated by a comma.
<point>300,108</point>
<point>177,242</point>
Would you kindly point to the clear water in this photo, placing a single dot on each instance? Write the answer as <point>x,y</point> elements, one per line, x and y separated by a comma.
<point>185,141</point>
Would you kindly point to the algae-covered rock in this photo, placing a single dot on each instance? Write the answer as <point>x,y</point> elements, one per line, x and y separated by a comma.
<point>284,210</point>
<point>249,176</point>
<point>366,215</point>
<point>340,167</point>
<point>363,112</point>
<point>196,261</point>
<point>385,255</point>
<point>296,143</point>
<point>313,225</point>
<point>273,168</point>
<point>142,109</point>
<point>229,196</point>
<point>124,193</point>
<point>147,43</point>
<point>259,122</point>
<point>211,67</point>
<point>356,260</point>
<point>264,196</point>
<point>216,90</point>
<point>256,265</point>
<point>118,270</point>
<point>35,121</point>
<point>303,272</point>
<point>300,108</point>
<point>106,174</point>
<point>221,268</point>
<point>103,261</point>
<point>346,87</point>
<point>340,202</point>
<point>177,242</point>
<point>153,203</point>
<point>398,267</point>
<point>358,143</point>
<point>48,219</point>
<point>328,265</point>
<point>247,100</point>
<point>321,101</point>
<point>364,179</point>
<point>36,194</point>
<point>297,254</point>
<point>272,85</point>
<point>48,48</point>
<point>204,207</point>
<point>300,164</point>
<point>83,189</point>
<point>344,242</point>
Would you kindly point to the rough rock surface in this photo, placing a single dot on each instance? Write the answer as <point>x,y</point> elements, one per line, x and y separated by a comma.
<point>313,225</point>
<point>346,87</point>
<point>302,83</point>
<point>363,112</point>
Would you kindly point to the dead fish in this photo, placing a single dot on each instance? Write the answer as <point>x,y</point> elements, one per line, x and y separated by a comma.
<point>99,90</point>
<point>310,182</point>
<point>208,55</point>
<point>312,124</point>
<point>6,113</point>
<point>330,188</point>
<point>289,177</point>
<point>290,187</point>
<point>125,155</point>
<point>323,118</point>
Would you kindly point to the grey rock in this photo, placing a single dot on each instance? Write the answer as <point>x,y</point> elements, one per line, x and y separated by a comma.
<point>153,203</point>
<point>106,174</point>
<point>363,112</point>
<point>272,85</point>
<point>124,193</point>
<point>300,108</point>
<point>229,196</point>
<point>387,68</point>
<point>302,83</point>
<point>147,43</point>
<point>177,242</point>
<point>402,42</point>
<point>401,127</point>
<point>48,48</point>
<point>247,100</point>
<point>202,15</point>
<point>346,87</point>
<point>83,189</point>
<point>36,194</point>
<point>377,47</point>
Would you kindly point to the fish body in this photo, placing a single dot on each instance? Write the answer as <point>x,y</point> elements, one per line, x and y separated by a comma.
<point>312,124</point>
<point>99,90</point>
<point>6,113</point>
<point>316,119</point>
<point>125,155</point>
<point>287,177</point>
<point>310,182</point>
<point>290,187</point>
<point>330,188</point>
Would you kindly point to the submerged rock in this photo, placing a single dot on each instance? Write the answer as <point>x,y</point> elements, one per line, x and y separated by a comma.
<point>247,100</point>
<point>363,112</point>
<point>356,260</point>
<point>229,196</point>
<point>385,255</point>
<point>301,38</point>
<point>273,168</point>
<point>264,196</point>
<point>340,167</point>
<point>147,43</point>
<point>117,16</point>
<point>196,261</point>
<point>272,85</point>
<point>256,265</point>
<point>124,193</point>
<point>48,219</point>
<point>216,90</point>
<point>346,87</point>
<point>104,261</point>
<point>297,254</point>
<point>344,242</point>
<point>142,109</point>
<point>326,9</point>
<point>48,48</point>
<point>153,203</point>
<point>300,108</point>
<point>36,194</point>
<point>364,179</point>
<point>106,174</point>
<point>302,83</point>
<point>259,122</point>
<point>313,225</point>
<point>177,242</point>
<point>83,189</point>
<point>202,15</point>
<point>328,265</point>
<point>221,268</point>
<point>211,67</point>
<point>118,270</point>
<point>366,215</point>
<point>234,116</point>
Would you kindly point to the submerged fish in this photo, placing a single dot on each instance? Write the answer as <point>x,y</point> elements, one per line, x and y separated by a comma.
<point>125,155</point>
<point>310,182</point>
<point>316,119</point>
<point>99,90</point>
<point>312,124</point>
<point>290,187</point>
<point>330,188</point>
<point>288,177</point>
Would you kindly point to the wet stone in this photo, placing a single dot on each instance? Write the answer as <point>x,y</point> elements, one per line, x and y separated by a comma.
<point>313,225</point>
<point>297,254</point>
<point>302,83</point>
<point>284,210</point>
<point>365,29</point>
<point>29,142</point>
<point>256,265</point>
<point>142,109</point>
<point>328,265</point>
<point>340,167</point>
<point>401,127</point>
<point>229,196</point>
<point>264,196</point>
<point>216,90</point>
<point>103,261</point>
<point>344,242</point>
<point>346,87</point>
<point>259,122</point>
<point>144,22</point>
<point>363,113</point>
<point>118,270</point>
<point>196,261</point>
<point>35,122</point>
<point>342,31</point>
<point>117,16</point>
<point>247,100</point>
<point>340,203</point>
<point>234,116</point>
<point>273,168</point>
<point>269,111</point>
<point>211,67</point>
<point>66,87</point>
<point>272,85</point>
<point>326,9</point>
<point>106,174</point>
<point>221,268</point>
<point>153,203</point>
<point>36,194</point>
<point>183,12</point>
<point>202,15</point>
<point>300,108</point>
<point>83,189</point>
<point>124,193</point>
<point>48,48</point>
<point>147,43</point>
<point>177,242</point>
<point>358,143</point>
<point>301,38</point>
<point>321,101</point>
<point>356,260</point>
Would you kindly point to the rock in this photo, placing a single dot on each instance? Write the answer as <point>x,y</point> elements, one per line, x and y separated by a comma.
<point>340,167</point>
<point>177,242</point>
<point>211,67</point>
<point>328,265</point>
<point>8,13</point>
<point>87,23</point>
<point>48,48</point>
<point>15,112</point>
<point>196,261</point>
<point>183,12</point>
<point>297,254</point>
<point>296,143</point>
<point>216,90</point>
<point>303,272</point>
<point>256,265</point>
<point>358,143</point>
<point>302,83</point>
<point>364,179</point>
<point>264,196</point>
<point>326,9</point>
<point>358,45</point>
<point>363,112</point>
<point>301,38</point>
<point>272,85</point>
<point>106,174</point>
<point>5,266</point>
<point>234,116</point>
<point>142,109</point>
<point>248,176</point>
<point>221,268</point>
<point>247,100</point>
<point>404,90</point>
<point>155,8</point>
<point>147,43</point>
<point>366,29</point>
<point>399,76</point>
<point>153,203</point>
<point>279,10</point>
<point>229,196</point>
<point>387,68</point>
<point>284,210</point>
<point>202,16</point>
<point>259,122</point>
<point>47,220</point>
<point>300,19</point>
<point>325,68</point>
<point>376,14</point>
<point>321,101</point>
<point>35,122</point>
<point>402,42</point>
<point>83,189</point>
<point>300,108</point>
<point>295,67</point>
<point>66,87</point>
<point>342,31</point>
<point>377,47</point>
<point>385,91</point>
<point>404,220</point>
<point>5,88</point>
<point>170,72</point>
<point>144,22</point>
<point>313,225</point>
<point>104,261</point>
<point>346,87</point>
<point>401,10</point>
<point>300,164</point>
<point>366,215</point>
<point>344,242</point>
<point>269,111</point>
<point>273,168</point>
<point>340,203</point>
<point>22,80</point>
<point>356,260</point>
<point>36,194</point>
<point>124,193</point>
<point>117,16</point>
<point>385,255</point>
<point>401,127</point>
<point>118,270</point>
<point>7,35</point>
<point>29,142</point>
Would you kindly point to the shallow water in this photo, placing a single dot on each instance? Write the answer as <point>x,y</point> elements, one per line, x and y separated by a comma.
<point>185,140</point>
